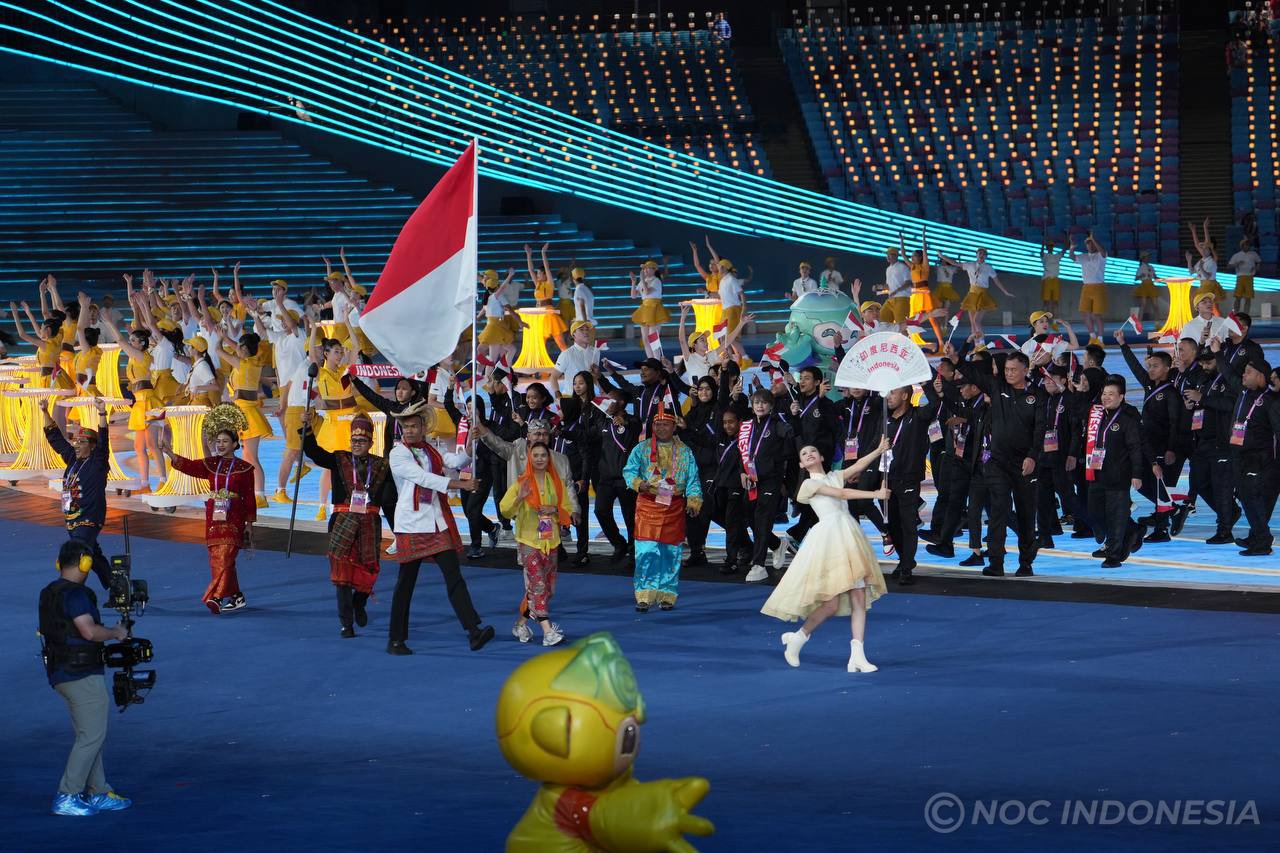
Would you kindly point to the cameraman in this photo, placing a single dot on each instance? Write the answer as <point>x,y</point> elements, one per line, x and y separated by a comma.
<point>73,641</point>
<point>84,483</point>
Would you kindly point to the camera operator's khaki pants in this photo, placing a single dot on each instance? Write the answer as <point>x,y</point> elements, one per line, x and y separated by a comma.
<point>89,705</point>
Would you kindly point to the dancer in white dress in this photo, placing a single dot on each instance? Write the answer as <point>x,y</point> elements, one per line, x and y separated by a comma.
<point>835,571</point>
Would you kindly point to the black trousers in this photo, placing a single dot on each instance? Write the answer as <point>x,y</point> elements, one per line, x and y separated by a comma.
<point>609,492</point>
<point>348,600</point>
<point>88,534</point>
<point>1256,487</point>
<point>1213,479</point>
<point>455,586</point>
<point>1109,516</point>
<point>979,502</point>
<point>1056,481</point>
<point>868,481</point>
<point>940,462</point>
<point>904,523</point>
<point>582,530</point>
<point>762,513</point>
<point>499,471</point>
<point>696,527</point>
<point>950,513</point>
<point>1171,474</point>
<point>473,507</point>
<point>1009,490</point>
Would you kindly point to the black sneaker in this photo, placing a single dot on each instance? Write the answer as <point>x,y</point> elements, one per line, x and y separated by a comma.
<point>974,560</point>
<point>1219,539</point>
<point>697,558</point>
<point>1045,542</point>
<point>1256,551</point>
<point>492,536</point>
<point>905,577</point>
<point>1242,541</point>
<point>479,636</point>
<point>1100,553</point>
<point>1133,542</point>
<point>1158,536</point>
<point>582,559</point>
<point>1179,519</point>
<point>1111,563</point>
<point>233,602</point>
<point>397,647</point>
<point>642,607</point>
<point>1082,534</point>
<point>361,615</point>
<point>474,553</point>
<point>728,568</point>
<point>348,632</point>
<point>618,555</point>
<point>946,551</point>
<point>666,605</point>
<point>1149,520</point>
<point>994,571</point>
<point>1024,572</point>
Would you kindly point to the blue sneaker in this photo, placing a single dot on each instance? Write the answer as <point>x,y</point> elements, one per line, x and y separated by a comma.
<point>110,802</point>
<point>493,537</point>
<point>73,805</point>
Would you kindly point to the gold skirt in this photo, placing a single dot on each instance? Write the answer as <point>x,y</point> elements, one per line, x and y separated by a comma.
<point>978,299</point>
<point>497,331</point>
<point>650,313</point>
<point>258,426</point>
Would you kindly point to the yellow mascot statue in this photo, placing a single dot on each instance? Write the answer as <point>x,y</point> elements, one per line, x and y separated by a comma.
<point>570,719</point>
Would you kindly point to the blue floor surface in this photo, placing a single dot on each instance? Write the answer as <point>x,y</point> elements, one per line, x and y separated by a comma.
<point>268,731</point>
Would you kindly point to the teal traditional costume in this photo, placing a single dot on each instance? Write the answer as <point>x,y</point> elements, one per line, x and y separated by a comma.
<point>668,467</point>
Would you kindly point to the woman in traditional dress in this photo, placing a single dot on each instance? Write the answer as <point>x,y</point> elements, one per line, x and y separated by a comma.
<point>835,571</point>
<point>539,502</point>
<point>230,511</point>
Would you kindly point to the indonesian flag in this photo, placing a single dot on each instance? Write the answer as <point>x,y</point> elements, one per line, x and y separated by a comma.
<point>425,295</point>
<point>720,332</point>
<point>852,326</point>
<point>1164,501</point>
<point>655,344</point>
<point>1230,326</point>
<point>1010,341</point>
<point>955,320</point>
<point>770,361</point>
<point>602,403</point>
<point>502,372</point>
<point>1136,323</point>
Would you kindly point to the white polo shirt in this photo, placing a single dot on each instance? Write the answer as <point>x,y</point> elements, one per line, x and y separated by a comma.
<point>1051,262</point>
<point>898,277</point>
<point>572,361</point>
<point>980,274</point>
<point>730,290</point>
<point>1245,263</point>
<point>584,303</point>
<point>801,286</point>
<point>1093,267</point>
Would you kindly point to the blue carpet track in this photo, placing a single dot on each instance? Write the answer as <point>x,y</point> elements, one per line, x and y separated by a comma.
<point>266,731</point>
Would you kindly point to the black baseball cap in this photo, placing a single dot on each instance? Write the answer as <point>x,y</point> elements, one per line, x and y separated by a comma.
<point>652,364</point>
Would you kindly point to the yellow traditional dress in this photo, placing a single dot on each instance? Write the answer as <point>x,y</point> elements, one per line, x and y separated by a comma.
<point>544,292</point>
<point>244,387</point>
<point>336,401</point>
<point>138,372</point>
<point>921,298</point>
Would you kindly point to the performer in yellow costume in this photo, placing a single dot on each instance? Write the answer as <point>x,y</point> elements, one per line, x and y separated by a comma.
<point>337,404</point>
<point>544,293</point>
<point>571,719</point>
<point>246,374</point>
<point>922,301</point>
<point>652,313</point>
<point>138,372</point>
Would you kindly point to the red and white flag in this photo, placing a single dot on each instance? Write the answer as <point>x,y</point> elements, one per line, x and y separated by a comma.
<point>720,332</point>
<point>1136,323</point>
<point>1010,341</point>
<point>771,360</point>
<point>655,345</point>
<point>425,296</point>
<point>602,403</point>
<point>852,326</point>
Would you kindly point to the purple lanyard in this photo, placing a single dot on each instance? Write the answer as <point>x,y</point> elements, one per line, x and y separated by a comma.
<point>806,409</point>
<point>1255,405</point>
<point>648,407</point>
<point>226,483</point>
<point>901,424</point>
<point>1102,435</point>
<point>1154,392</point>
<point>614,436</point>
<point>368,473</point>
<point>73,475</point>
<point>1057,412</point>
<point>862,413</point>
<point>753,448</point>
<point>725,454</point>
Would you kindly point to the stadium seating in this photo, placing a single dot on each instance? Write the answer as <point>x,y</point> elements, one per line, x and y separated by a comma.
<point>94,191</point>
<point>676,88</point>
<point>1255,144</point>
<point>1024,132</point>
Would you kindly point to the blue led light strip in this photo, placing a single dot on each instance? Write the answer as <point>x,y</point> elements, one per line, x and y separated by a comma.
<point>259,56</point>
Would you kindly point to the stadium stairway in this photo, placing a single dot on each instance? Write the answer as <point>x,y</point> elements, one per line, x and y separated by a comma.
<point>91,190</point>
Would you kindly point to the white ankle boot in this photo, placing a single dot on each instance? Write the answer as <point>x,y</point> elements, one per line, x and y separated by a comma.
<point>794,641</point>
<point>858,660</point>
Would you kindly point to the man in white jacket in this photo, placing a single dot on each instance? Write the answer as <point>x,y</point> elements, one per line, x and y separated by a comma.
<point>425,528</point>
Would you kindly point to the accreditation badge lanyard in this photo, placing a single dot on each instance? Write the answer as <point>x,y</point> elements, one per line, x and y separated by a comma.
<point>613,433</point>
<point>1239,428</point>
<point>851,437</point>
<point>221,497</point>
<point>1099,454</point>
<point>809,405</point>
<point>69,483</point>
<point>1051,434</point>
<point>359,500</point>
<point>935,427</point>
<point>1154,391</point>
<point>753,447</point>
<point>887,459</point>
